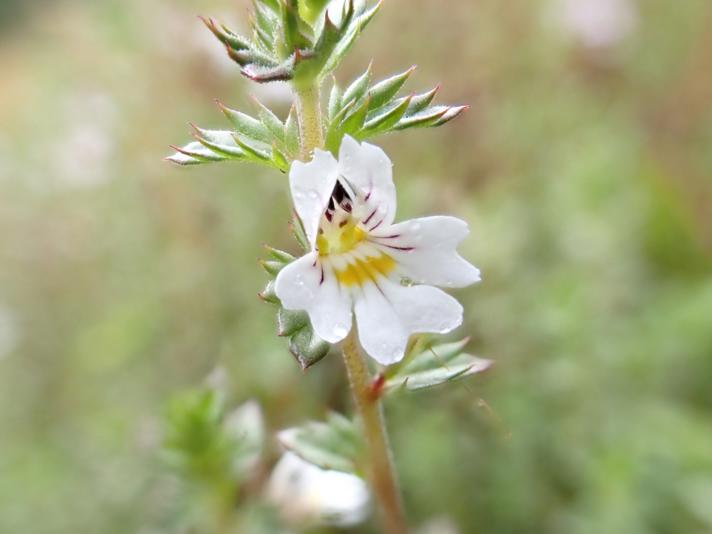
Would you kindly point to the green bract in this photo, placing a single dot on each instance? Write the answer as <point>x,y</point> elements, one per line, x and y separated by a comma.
<point>428,365</point>
<point>335,444</point>
<point>304,344</point>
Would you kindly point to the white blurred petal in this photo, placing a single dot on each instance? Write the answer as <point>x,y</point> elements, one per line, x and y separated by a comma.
<point>599,23</point>
<point>306,494</point>
<point>246,425</point>
<point>300,287</point>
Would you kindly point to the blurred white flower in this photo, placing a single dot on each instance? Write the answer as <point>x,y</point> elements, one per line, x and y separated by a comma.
<point>246,425</point>
<point>306,494</point>
<point>359,256</point>
<point>82,155</point>
<point>599,23</point>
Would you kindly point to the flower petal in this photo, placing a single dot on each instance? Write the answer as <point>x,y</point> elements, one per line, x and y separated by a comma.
<point>388,314</point>
<point>369,172</point>
<point>306,284</point>
<point>311,185</point>
<point>426,250</point>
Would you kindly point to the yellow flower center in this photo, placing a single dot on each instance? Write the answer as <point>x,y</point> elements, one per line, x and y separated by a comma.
<point>355,274</point>
<point>341,238</point>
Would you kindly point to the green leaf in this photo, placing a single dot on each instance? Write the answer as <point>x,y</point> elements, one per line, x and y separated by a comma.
<point>334,133</point>
<point>422,101</point>
<point>422,119</point>
<point>299,233</point>
<point>358,88</point>
<point>383,92</point>
<point>311,10</point>
<point>291,133</point>
<point>385,120</point>
<point>245,125</point>
<point>252,150</point>
<point>307,347</point>
<point>450,114</point>
<point>271,122</point>
<point>436,365</point>
<point>194,153</point>
<point>204,443</point>
<point>334,444</point>
<point>291,26</point>
<point>304,344</point>
<point>351,33</point>
<point>291,321</point>
<point>334,100</point>
<point>220,142</point>
<point>355,120</point>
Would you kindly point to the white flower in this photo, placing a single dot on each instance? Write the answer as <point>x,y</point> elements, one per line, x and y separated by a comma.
<point>307,494</point>
<point>359,257</point>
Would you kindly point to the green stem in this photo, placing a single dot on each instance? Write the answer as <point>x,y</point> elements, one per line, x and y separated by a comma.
<point>381,471</point>
<point>311,133</point>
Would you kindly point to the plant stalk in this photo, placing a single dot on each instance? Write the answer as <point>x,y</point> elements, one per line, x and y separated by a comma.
<point>381,470</point>
<point>311,132</point>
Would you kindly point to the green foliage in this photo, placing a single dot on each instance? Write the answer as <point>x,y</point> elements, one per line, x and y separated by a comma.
<point>265,140</point>
<point>427,365</point>
<point>206,444</point>
<point>365,111</point>
<point>335,444</point>
<point>304,344</point>
<point>294,40</point>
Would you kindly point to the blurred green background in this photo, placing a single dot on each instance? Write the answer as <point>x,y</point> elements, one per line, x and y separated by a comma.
<point>584,168</point>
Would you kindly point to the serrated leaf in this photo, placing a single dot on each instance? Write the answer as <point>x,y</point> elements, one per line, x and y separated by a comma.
<point>307,347</point>
<point>450,114</point>
<point>252,150</point>
<point>355,120</point>
<point>433,355</point>
<point>225,35</point>
<point>334,445</point>
<point>422,101</point>
<point>435,365</point>
<point>334,100</point>
<point>280,255</point>
<point>358,88</point>
<point>194,153</point>
<point>385,121</point>
<point>355,28</point>
<point>291,29</point>
<point>279,159</point>
<point>272,267</point>
<point>219,141</point>
<point>299,233</point>
<point>334,132</point>
<point>270,121</point>
<point>245,125</point>
<point>291,132</point>
<point>268,294</point>
<point>311,10</point>
<point>383,92</point>
<point>422,119</point>
<point>264,74</point>
<point>289,322</point>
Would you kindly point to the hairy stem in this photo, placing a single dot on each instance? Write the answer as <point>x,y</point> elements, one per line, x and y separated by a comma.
<point>381,471</point>
<point>311,133</point>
